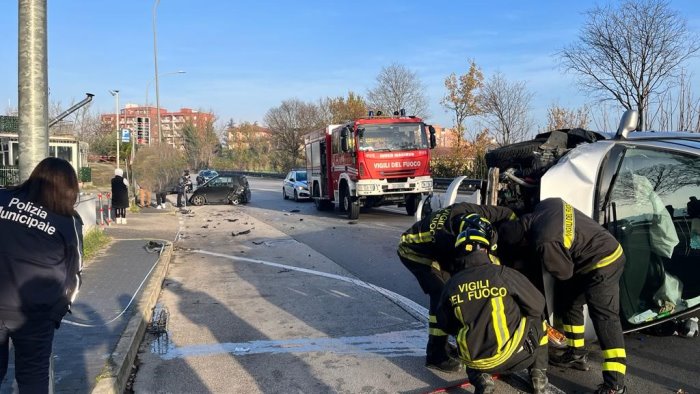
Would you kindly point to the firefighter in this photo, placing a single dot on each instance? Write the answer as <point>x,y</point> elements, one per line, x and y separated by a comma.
<point>587,262</point>
<point>427,250</point>
<point>496,314</point>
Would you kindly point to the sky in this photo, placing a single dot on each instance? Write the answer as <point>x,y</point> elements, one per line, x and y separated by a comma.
<point>242,58</point>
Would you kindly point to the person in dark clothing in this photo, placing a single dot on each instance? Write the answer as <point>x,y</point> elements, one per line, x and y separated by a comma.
<point>496,314</point>
<point>587,262</point>
<point>120,196</point>
<point>184,185</point>
<point>40,268</point>
<point>427,250</point>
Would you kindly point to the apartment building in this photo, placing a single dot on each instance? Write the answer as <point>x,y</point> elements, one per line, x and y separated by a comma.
<point>142,122</point>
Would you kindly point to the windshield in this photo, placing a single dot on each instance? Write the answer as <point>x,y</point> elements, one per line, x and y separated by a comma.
<point>301,176</point>
<point>390,137</point>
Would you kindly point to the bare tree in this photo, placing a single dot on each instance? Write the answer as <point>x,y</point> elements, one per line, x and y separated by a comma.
<point>462,97</point>
<point>398,87</point>
<point>677,109</point>
<point>629,52</point>
<point>563,118</point>
<point>506,107</point>
<point>288,124</point>
<point>201,144</point>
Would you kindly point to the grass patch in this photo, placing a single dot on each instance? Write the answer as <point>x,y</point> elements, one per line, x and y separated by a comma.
<point>93,242</point>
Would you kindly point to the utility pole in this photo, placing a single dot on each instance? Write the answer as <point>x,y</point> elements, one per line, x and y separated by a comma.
<point>33,86</point>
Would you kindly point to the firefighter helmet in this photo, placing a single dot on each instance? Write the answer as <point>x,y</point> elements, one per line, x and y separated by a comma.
<point>471,239</point>
<point>475,221</point>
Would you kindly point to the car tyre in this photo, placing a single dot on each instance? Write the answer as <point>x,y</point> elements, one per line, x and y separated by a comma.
<point>520,154</point>
<point>198,200</point>
<point>235,200</point>
<point>284,194</point>
<point>296,196</point>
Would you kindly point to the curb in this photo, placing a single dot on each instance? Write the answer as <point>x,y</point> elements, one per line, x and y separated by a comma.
<point>117,369</point>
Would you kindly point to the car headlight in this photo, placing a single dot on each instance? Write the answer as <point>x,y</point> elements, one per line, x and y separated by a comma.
<point>301,188</point>
<point>365,187</point>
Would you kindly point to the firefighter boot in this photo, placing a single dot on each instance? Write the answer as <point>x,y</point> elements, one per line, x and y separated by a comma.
<point>605,389</point>
<point>437,356</point>
<point>570,359</point>
<point>538,377</point>
<point>482,382</point>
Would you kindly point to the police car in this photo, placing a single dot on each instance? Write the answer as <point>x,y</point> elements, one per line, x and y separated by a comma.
<point>644,187</point>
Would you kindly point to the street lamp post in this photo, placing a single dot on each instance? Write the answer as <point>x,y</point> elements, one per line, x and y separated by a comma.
<point>155,63</point>
<point>148,88</point>
<point>115,93</point>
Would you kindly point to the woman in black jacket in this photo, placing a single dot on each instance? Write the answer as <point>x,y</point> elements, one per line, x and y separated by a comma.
<point>40,265</point>
<point>120,196</point>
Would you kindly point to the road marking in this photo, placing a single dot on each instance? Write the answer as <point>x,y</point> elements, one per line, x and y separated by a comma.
<point>390,344</point>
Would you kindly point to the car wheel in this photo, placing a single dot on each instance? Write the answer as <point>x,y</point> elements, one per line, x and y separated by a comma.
<point>284,194</point>
<point>296,196</point>
<point>520,154</point>
<point>235,200</point>
<point>198,200</point>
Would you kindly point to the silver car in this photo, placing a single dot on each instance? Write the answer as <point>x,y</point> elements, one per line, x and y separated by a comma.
<point>295,186</point>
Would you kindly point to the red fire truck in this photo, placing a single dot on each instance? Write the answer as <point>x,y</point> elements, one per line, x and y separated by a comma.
<point>370,162</point>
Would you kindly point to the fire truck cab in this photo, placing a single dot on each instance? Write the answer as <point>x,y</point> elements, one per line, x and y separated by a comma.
<point>370,162</point>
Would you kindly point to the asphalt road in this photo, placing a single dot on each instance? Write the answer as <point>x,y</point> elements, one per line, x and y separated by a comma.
<point>367,248</point>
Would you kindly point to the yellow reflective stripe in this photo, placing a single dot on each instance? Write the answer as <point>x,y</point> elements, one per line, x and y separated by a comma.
<point>424,237</point>
<point>417,258</point>
<point>544,340</point>
<point>462,343</point>
<point>606,260</point>
<point>494,259</point>
<point>500,323</point>
<point>513,216</point>
<point>574,329</point>
<point>462,223</point>
<point>575,342</point>
<point>569,226</point>
<point>436,332</point>
<point>502,355</point>
<point>477,238</point>
<point>432,319</point>
<point>614,353</point>
<point>614,367</point>
<point>458,314</point>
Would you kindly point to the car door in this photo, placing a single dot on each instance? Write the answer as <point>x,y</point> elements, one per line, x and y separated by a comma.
<point>649,207</point>
<point>289,184</point>
<point>218,189</point>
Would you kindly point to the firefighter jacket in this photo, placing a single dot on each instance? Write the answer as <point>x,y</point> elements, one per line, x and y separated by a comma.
<point>431,241</point>
<point>40,259</point>
<point>486,306</point>
<point>567,241</point>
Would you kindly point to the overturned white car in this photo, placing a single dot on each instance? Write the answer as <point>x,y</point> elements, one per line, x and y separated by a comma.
<point>642,186</point>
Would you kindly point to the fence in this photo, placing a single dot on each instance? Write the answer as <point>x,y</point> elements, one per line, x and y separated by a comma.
<point>9,176</point>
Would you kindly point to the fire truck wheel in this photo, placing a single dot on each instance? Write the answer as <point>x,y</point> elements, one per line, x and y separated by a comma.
<point>412,202</point>
<point>353,209</point>
<point>342,207</point>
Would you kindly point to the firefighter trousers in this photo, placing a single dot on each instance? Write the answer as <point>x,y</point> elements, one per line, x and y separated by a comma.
<point>600,290</point>
<point>431,281</point>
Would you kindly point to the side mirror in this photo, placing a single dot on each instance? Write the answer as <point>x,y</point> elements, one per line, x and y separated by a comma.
<point>433,140</point>
<point>361,132</point>
<point>628,122</point>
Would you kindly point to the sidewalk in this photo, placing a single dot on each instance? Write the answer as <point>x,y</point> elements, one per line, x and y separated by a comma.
<point>84,343</point>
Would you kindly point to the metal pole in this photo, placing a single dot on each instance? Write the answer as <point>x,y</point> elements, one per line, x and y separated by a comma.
<point>32,86</point>
<point>148,88</point>
<point>155,63</point>
<point>115,93</point>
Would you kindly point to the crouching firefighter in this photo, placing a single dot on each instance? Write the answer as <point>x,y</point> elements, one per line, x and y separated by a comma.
<point>496,314</point>
<point>427,250</point>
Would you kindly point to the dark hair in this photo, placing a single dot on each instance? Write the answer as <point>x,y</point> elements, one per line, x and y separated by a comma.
<point>53,185</point>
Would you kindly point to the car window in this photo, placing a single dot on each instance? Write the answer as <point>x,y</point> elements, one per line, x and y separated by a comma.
<point>656,218</point>
<point>301,176</point>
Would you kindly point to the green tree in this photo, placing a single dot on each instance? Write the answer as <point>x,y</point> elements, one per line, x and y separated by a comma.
<point>157,167</point>
<point>249,146</point>
<point>462,98</point>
